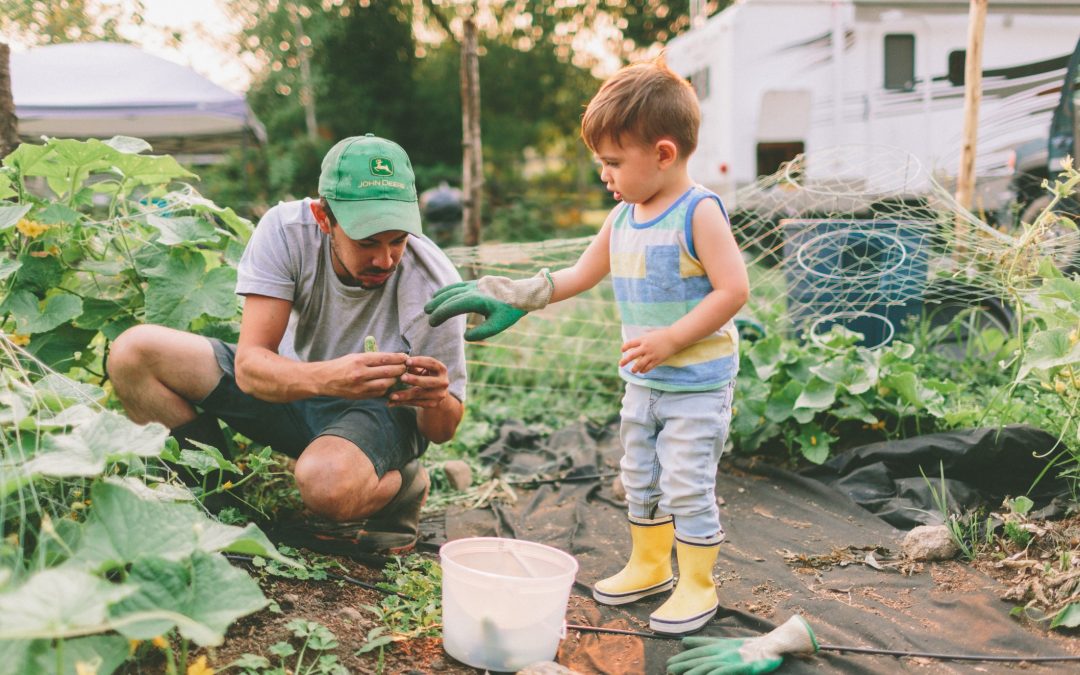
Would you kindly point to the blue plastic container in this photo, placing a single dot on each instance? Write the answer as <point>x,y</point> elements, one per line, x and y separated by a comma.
<point>866,275</point>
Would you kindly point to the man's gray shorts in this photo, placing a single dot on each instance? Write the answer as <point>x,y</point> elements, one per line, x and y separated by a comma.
<point>388,436</point>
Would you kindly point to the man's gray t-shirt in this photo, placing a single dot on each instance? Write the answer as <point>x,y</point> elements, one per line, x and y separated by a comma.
<point>289,258</point>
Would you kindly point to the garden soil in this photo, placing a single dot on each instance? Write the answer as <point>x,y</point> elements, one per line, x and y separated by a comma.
<point>794,546</point>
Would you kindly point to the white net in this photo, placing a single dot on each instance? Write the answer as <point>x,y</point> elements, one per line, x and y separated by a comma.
<point>861,236</point>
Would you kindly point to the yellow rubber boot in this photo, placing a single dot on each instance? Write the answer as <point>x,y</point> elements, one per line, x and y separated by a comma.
<point>649,570</point>
<point>694,601</point>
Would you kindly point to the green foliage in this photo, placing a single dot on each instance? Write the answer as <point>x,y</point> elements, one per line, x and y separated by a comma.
<point>68,21</point>
<point>97,548</point>
<point>412,606</point>
<point>100,237</point>
<point>315,641</point>
<point>812,398</point>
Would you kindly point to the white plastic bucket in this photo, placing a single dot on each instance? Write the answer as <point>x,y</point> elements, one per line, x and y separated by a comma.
<point>504,601</point>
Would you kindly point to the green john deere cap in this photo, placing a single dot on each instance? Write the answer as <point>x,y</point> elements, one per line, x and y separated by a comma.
<point>369,183</point>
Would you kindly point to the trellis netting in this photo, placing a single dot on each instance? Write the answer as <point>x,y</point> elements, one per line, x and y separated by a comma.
<point>875,245</point>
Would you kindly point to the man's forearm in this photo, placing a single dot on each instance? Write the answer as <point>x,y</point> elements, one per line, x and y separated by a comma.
<point>438,425</point>
<point>271,377</point>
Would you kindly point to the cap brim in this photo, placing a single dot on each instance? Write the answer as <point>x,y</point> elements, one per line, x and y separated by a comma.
<point>364,218</point>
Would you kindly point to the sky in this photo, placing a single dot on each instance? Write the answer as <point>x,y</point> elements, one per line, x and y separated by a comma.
<point>205,28</point>
<point>205,46</point>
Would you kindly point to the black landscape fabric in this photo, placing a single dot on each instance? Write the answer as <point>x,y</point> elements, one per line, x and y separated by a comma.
<point>794,545</point>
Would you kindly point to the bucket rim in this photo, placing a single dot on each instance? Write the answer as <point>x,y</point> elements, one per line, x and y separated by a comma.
<point>443,559</point>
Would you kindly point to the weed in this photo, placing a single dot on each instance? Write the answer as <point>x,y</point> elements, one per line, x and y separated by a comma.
<point>310,659</point>
<point>413,607</point>
<point>315,567</point>
<point>969,532</point>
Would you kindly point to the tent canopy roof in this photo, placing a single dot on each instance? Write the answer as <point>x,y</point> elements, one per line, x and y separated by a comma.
<point>102,89</point>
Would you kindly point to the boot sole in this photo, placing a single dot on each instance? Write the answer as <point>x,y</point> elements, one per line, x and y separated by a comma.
<point>615,599</point>
<point>682,626</point>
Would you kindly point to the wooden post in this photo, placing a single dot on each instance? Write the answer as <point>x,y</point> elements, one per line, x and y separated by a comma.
<point>965,180</point>
<point>472,156</point>
<point>9,137</point>
<point>307,93</point>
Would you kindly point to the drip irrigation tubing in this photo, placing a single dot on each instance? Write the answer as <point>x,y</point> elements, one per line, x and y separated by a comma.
<point>854,650</point>
<point>660,636</point>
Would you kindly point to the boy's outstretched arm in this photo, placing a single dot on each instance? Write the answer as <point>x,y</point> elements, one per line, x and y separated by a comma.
<point>719,254</point>
<point>503,301</point>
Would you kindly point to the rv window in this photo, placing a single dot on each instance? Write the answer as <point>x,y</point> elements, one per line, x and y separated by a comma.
<point>699,79</point>
<point>900,62</point>
<point>957,66</point>
<point>771,156</point>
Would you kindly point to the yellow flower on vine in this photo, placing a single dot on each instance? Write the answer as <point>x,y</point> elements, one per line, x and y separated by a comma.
<point>18,339</point>
<point>199,667</point>
<point>160,642</point>
<point>30,228</point>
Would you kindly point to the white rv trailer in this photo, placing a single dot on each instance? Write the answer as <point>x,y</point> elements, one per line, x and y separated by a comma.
<point>774,83</point>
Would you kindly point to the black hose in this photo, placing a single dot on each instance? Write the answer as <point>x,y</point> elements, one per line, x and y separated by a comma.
<point>854,650</point>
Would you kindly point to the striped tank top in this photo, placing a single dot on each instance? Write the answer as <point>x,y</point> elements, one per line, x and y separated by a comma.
<point>658,279</point>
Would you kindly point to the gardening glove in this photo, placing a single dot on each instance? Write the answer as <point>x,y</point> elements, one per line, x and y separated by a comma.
<point>500,300</point>
<point>749,656</point>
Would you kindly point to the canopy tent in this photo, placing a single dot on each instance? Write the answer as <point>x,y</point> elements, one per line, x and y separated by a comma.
<point>103,89</point>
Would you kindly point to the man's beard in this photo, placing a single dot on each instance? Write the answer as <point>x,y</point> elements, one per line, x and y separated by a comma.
<point>353,281</point>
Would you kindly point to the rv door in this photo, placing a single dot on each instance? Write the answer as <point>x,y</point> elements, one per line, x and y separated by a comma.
<point>783,123</point>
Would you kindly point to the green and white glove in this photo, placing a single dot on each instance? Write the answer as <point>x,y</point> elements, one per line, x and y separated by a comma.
<point>744,656</point>
<point>500,300</point>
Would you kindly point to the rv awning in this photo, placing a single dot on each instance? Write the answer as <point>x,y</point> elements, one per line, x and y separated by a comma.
<point>785,116</point>
<point>101,89</point>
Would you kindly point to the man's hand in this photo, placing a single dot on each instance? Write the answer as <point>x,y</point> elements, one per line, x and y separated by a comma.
<point>647,351</point>
<point>365,375</point>
<point>428,383</point>
<point>500,300</point>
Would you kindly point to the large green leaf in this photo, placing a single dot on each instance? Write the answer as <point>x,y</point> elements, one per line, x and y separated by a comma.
<point>125,526</point>
<point>150,169</point>
<point>59,391</point>
<point>814,443</point>
<point>39,275</point>
<point>766,356</point>
<point>85,451</point>
<point>817,395</point>
<point>182,230</point>
<point>32,316</point>
<point>205,588</point>
<point>8,267</point>
<point>7,188</point>
<point>19,657</point>
<point>63,346</point>
<point>9,215</point>
<point>781,404</point>
<point>181,290</point>
<point>1049,349</point>
<point>55,601</point>
<point>28,158</point>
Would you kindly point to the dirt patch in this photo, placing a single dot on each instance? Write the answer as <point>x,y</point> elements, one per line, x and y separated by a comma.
<point>339,606</point>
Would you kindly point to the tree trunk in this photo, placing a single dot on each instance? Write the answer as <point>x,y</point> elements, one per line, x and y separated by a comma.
<point>9,137</point>
<point>472,157</point>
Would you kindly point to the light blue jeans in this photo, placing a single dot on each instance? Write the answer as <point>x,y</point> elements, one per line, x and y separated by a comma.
<point>672,442</point>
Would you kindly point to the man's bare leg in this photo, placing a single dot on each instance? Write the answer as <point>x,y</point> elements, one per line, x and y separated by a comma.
<point>338,481</point>
<point>158,372</point>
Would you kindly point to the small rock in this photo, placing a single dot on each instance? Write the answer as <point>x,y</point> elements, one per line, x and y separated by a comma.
<point>618,489</point>
<point>458,473</point>
<point>437,664</point>
<point>929,542</point>
<point>546,668</point>
<point>352,614</point>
